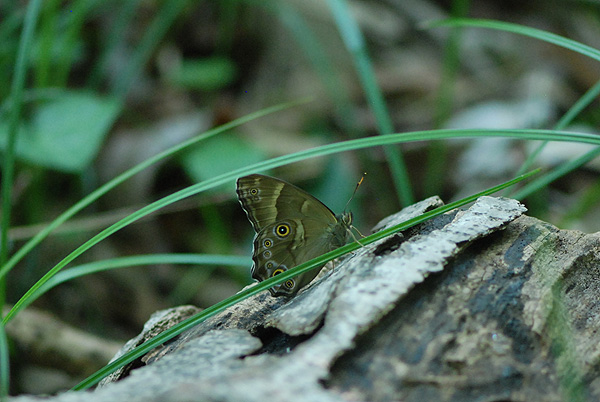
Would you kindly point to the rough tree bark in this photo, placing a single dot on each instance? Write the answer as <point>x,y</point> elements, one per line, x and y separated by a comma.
<point>482,304</point>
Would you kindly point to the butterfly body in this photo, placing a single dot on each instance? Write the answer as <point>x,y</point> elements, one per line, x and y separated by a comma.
<point>291,227</point>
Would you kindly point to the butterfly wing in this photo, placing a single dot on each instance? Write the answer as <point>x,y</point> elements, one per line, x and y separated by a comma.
<point>292,227</point>
<point>286,244</point>
<point>267,200</point>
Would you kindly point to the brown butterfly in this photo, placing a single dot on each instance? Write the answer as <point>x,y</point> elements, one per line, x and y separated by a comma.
<point>291,227</point>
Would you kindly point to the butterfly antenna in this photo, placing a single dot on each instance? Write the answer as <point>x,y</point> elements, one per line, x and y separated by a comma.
<point>346,207</point>
<point>355,188</point>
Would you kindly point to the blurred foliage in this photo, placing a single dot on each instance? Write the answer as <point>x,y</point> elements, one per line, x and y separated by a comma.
<point>112,83</point>
<point>208,160</point>
<point>65,132</point>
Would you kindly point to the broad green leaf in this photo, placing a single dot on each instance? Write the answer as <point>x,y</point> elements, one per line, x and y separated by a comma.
<point>218,155</point>
<point>204,74</point>
<point>65,132</point>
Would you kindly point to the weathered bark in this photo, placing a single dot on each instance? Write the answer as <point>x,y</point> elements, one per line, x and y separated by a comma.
<point>474,305</point>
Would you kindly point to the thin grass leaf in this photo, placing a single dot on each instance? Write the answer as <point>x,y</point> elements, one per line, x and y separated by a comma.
<point>296,157</point>
<point>116,34</point>
<point>266,284</point>
<point>220,242</point>
<point>77,12</point>
<point>355,44</point>
<point>583,102</point>
<point>16,104</point>
<point>437,151</point>
<point>4,365</point>
<point>10,27</point>
<point>154,34</point>
<point>27,247</point>
<point>450,66</point>
<point>583,204</point>
<point>521,30</point>
<point>556,173</point>
<point>312,47</point>
<point>47,33</point>
<point>138,260</point>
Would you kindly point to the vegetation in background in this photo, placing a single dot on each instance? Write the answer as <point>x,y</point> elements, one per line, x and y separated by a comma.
<point>130,121</point>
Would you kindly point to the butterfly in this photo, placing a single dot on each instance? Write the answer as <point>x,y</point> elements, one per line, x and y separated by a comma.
<point>291,227</point>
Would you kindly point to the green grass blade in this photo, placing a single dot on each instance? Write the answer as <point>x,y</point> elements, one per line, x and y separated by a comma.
<point>78,12</point>
<point>583,204</point>
<point>264,285</point>
<point>10,26</point>
<point>560,171</point>
<point>117,33</point>
<point>451,65</point>
<point>23,251</point>
<point>287,159</point>
<point>154,34</point>
<point>583,102</point>
<point>4,365</point>
<point>316,54</point>
<point>521,30</point>
<point>16,104</point>
<point>437,151</point>
<point>138,260</point>
<point>355,44</point>
<point>46,33</point>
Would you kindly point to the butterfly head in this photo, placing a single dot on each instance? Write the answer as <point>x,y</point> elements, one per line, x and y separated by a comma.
<point>346,219</point>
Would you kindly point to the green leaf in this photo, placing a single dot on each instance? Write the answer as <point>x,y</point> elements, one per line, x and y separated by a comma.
<point>219,155</point>
<point>204,74</point>
<point>65,132</point>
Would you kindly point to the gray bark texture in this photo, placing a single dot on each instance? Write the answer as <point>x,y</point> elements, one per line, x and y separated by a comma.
<point>481,304</point>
